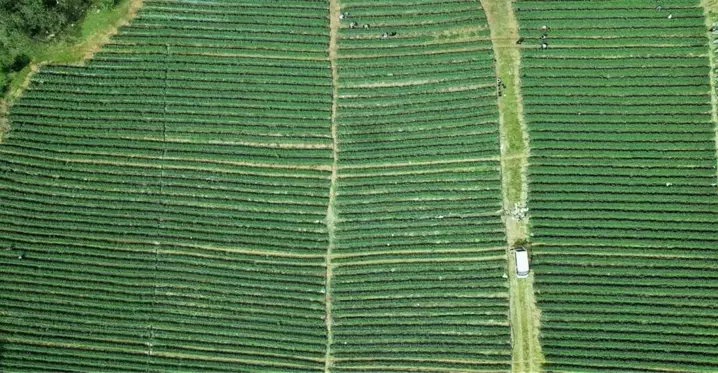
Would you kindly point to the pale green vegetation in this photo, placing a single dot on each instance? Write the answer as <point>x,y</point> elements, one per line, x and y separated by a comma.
<point>331,219</point>
<point>710,8</point>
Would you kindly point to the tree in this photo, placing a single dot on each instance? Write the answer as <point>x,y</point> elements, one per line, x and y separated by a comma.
<point>37,18</point>
<point>21,60</point>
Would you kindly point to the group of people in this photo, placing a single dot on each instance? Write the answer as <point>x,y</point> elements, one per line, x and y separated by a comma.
<point>544,38</point>
<point>354,24</point>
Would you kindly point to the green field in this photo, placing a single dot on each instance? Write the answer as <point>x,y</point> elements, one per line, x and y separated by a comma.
<point>419,250</point>
<point>331,186</point>
<point>622,184</point>
<point>163,206</point>
<point>166,204</point>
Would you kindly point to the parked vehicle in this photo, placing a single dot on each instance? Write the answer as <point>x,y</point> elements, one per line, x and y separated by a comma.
<point>522,262</point>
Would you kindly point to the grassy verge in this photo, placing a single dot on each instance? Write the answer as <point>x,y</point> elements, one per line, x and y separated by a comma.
<point>75,45</point>
<point>524,314</point>
<point>710,8</point>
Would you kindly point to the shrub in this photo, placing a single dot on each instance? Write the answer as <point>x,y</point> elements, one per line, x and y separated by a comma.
<point>21,60</point>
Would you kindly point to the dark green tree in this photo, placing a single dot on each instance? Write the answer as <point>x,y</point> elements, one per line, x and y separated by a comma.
<point>21,60</point>
<point>38,18</point>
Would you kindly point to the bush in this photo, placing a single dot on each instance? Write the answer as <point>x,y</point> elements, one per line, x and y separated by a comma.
<point>20,62</point>
<point>4,85</point>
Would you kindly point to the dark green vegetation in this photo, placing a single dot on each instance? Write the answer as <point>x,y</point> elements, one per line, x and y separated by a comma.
<point>622,184</point>
<point>164,206</point>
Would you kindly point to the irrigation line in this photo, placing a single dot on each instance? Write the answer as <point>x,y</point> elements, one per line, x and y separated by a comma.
<point>157,245</point>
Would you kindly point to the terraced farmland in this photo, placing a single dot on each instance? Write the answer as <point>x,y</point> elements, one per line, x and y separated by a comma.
<point>165,206</point>
<point>420,246</point>
<point>622,184</point>
<point>316,186</point>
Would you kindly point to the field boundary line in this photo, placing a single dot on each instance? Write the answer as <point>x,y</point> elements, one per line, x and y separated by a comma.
<point>402,252</point>
<point>228,55</point>
<point>442,90</point>
<point>413,368</point>
<point>415,54</point>
<point>524,314</point>
<point>447,295</point>
<point>251,144</point>
<point>461,259</point>
<point>264,253</point>
<point>420,163</point>
<point>399,83</point>
<point>422,172</point>
<point>10,97</point>
<point>271,145</point>
<point>204,357</point>
<point>331,204</point>
<point>264,256</point>
<point>178,167</point>
<point>455,361</point>
<point>41,191</point>
<point>4,123</point>
<point>158,244</point>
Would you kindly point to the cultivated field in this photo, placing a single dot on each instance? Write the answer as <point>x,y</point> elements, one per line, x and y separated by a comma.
<point>622,184</point>
<point>165,206</point>
<point>330,185</point>
<point>420,246</point>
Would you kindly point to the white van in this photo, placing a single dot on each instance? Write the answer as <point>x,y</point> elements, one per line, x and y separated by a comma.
<point>522,262</point>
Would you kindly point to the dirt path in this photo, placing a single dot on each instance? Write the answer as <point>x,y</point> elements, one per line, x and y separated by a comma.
<point>331,213</point>
<point>525,316</point>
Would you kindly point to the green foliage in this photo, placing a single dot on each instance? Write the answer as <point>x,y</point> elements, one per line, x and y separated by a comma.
<point>9,43</point>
